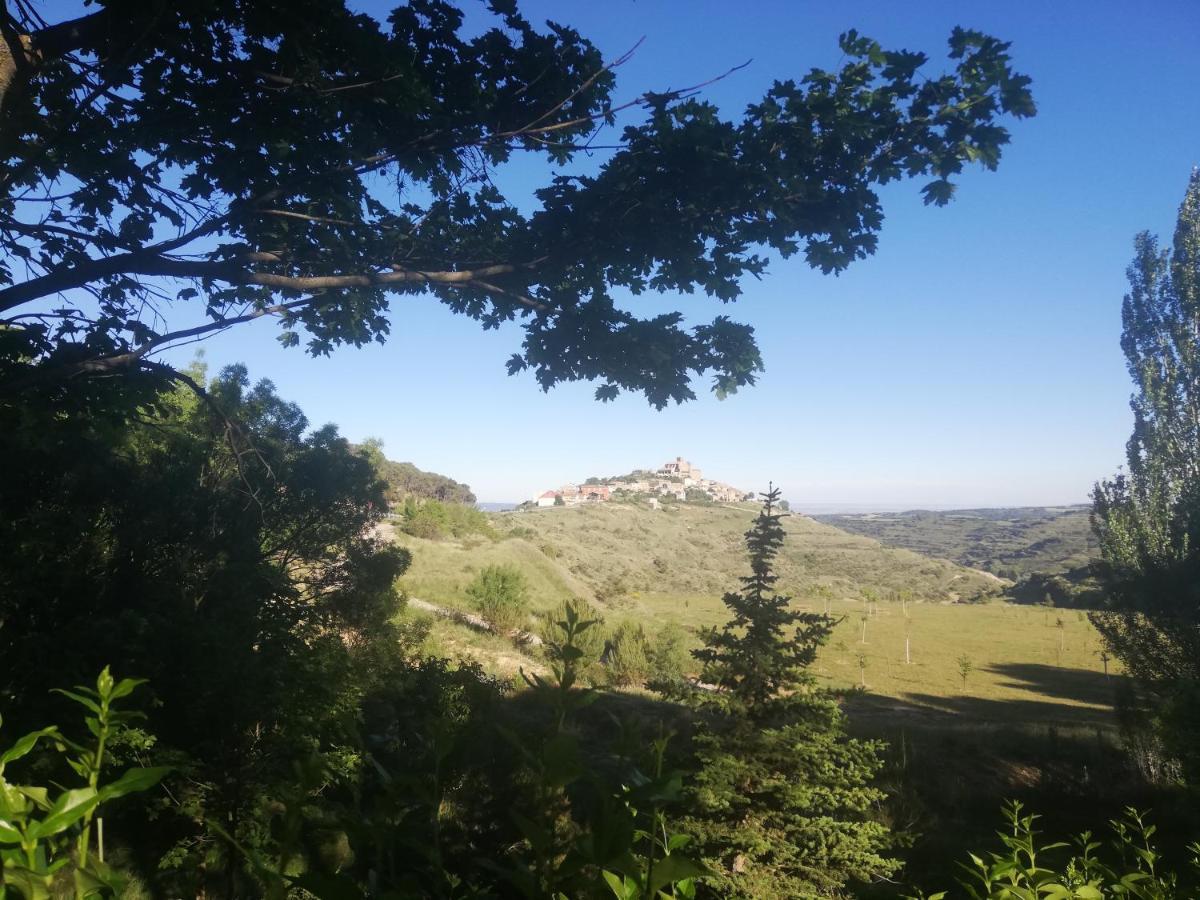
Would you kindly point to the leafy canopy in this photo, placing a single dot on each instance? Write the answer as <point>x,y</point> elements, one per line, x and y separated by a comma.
<point>213,161</point>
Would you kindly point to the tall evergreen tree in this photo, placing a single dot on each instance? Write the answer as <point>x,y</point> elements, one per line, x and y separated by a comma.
<point>767,646</point>
<point>781,803</point>
<point>1148,519</point>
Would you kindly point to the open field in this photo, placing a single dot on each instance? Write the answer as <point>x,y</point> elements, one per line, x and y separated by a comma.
<point>1018,672</point>
<point>659,567</point>
<point>1033,721</point>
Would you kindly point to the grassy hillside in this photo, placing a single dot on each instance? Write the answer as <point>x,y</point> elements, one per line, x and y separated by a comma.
<point>629,556</point>
<point>1011,543</point>
<point>673,565</point>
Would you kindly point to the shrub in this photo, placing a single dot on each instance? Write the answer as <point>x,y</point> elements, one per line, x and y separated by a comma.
<point>668,655</point>
<point>434,520</point>
<point>627,658</point>
<point>46,832</point>
<point>499,595</point>
<point>613,588</point>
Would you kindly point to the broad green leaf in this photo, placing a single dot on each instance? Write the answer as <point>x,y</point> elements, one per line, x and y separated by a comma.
<point>618,885</point>
<point>104,683</point>
<point>25,744</point>
<point>39,795</point>
<point>68,809</point>
<point>125,687</point>
<point>672,868</point>
<point>32,885</point>
<point>80,699</point>
<point>9,833</point>
<point>132,781</point>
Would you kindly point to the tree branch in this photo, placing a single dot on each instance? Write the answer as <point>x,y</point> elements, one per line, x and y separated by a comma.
<point>232,272</point>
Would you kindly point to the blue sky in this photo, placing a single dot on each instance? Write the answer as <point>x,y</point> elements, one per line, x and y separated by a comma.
<point>973,361</point>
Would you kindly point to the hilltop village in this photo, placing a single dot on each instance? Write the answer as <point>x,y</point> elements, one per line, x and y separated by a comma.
<point>675,480</point>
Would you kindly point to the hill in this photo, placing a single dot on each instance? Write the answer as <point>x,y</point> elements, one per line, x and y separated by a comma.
<point>405,480</point>
<point>672,565</point>
<point>651,562</point>
<point>1012,543</point>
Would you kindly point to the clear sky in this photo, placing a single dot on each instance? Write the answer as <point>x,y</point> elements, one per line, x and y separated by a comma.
<point>973,361</point>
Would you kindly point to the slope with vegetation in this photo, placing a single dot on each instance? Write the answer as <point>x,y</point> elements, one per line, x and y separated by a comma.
<point>630,556</point>
<point>1009,542</point>
<point>404,480</point>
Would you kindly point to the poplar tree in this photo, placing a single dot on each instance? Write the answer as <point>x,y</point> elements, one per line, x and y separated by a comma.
<point>1148,518</point>
<point>781,803</point>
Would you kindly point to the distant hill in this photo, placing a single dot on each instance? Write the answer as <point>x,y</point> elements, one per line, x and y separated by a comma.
<point>1012,543</point>
<point>653,563</point>
<point>406,480</point>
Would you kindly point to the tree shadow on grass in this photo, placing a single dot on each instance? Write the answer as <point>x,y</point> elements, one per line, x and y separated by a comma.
<point>1078,685</point>
<point>1059,697</point>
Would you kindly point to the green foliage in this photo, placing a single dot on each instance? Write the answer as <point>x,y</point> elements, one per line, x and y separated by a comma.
<point>224,549</point>
<point>1148,519</point>
<point>591,641</point>
<point>1023,870</point>
<point>965,668</point>
<point>287,167</point>
<point>434,520</point>
<point>765,647</point>
<point>1076,588</point>
<point>669,656</point>
<point>590,832</point>
<point>627,658</point>
<point>782,802</point>
<point>499,594</point>
<point>405,480</point>
<point>786,808</point>
<point>46,833</point>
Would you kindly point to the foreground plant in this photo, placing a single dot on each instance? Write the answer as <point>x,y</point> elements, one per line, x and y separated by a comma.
<point>1021,870</point>
<point>46,833</point>
<point>594,833</point>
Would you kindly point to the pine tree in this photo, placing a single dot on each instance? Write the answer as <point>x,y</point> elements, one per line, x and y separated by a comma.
<point>781,804</point>
<point>1148,519</point>
<point>766,647</point>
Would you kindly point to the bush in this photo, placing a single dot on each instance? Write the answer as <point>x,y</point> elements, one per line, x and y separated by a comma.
<point>434,520</point>
<point>499,595</point>
<point>613,588</point>
<point>669,657</point>
<point>627,658</point>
